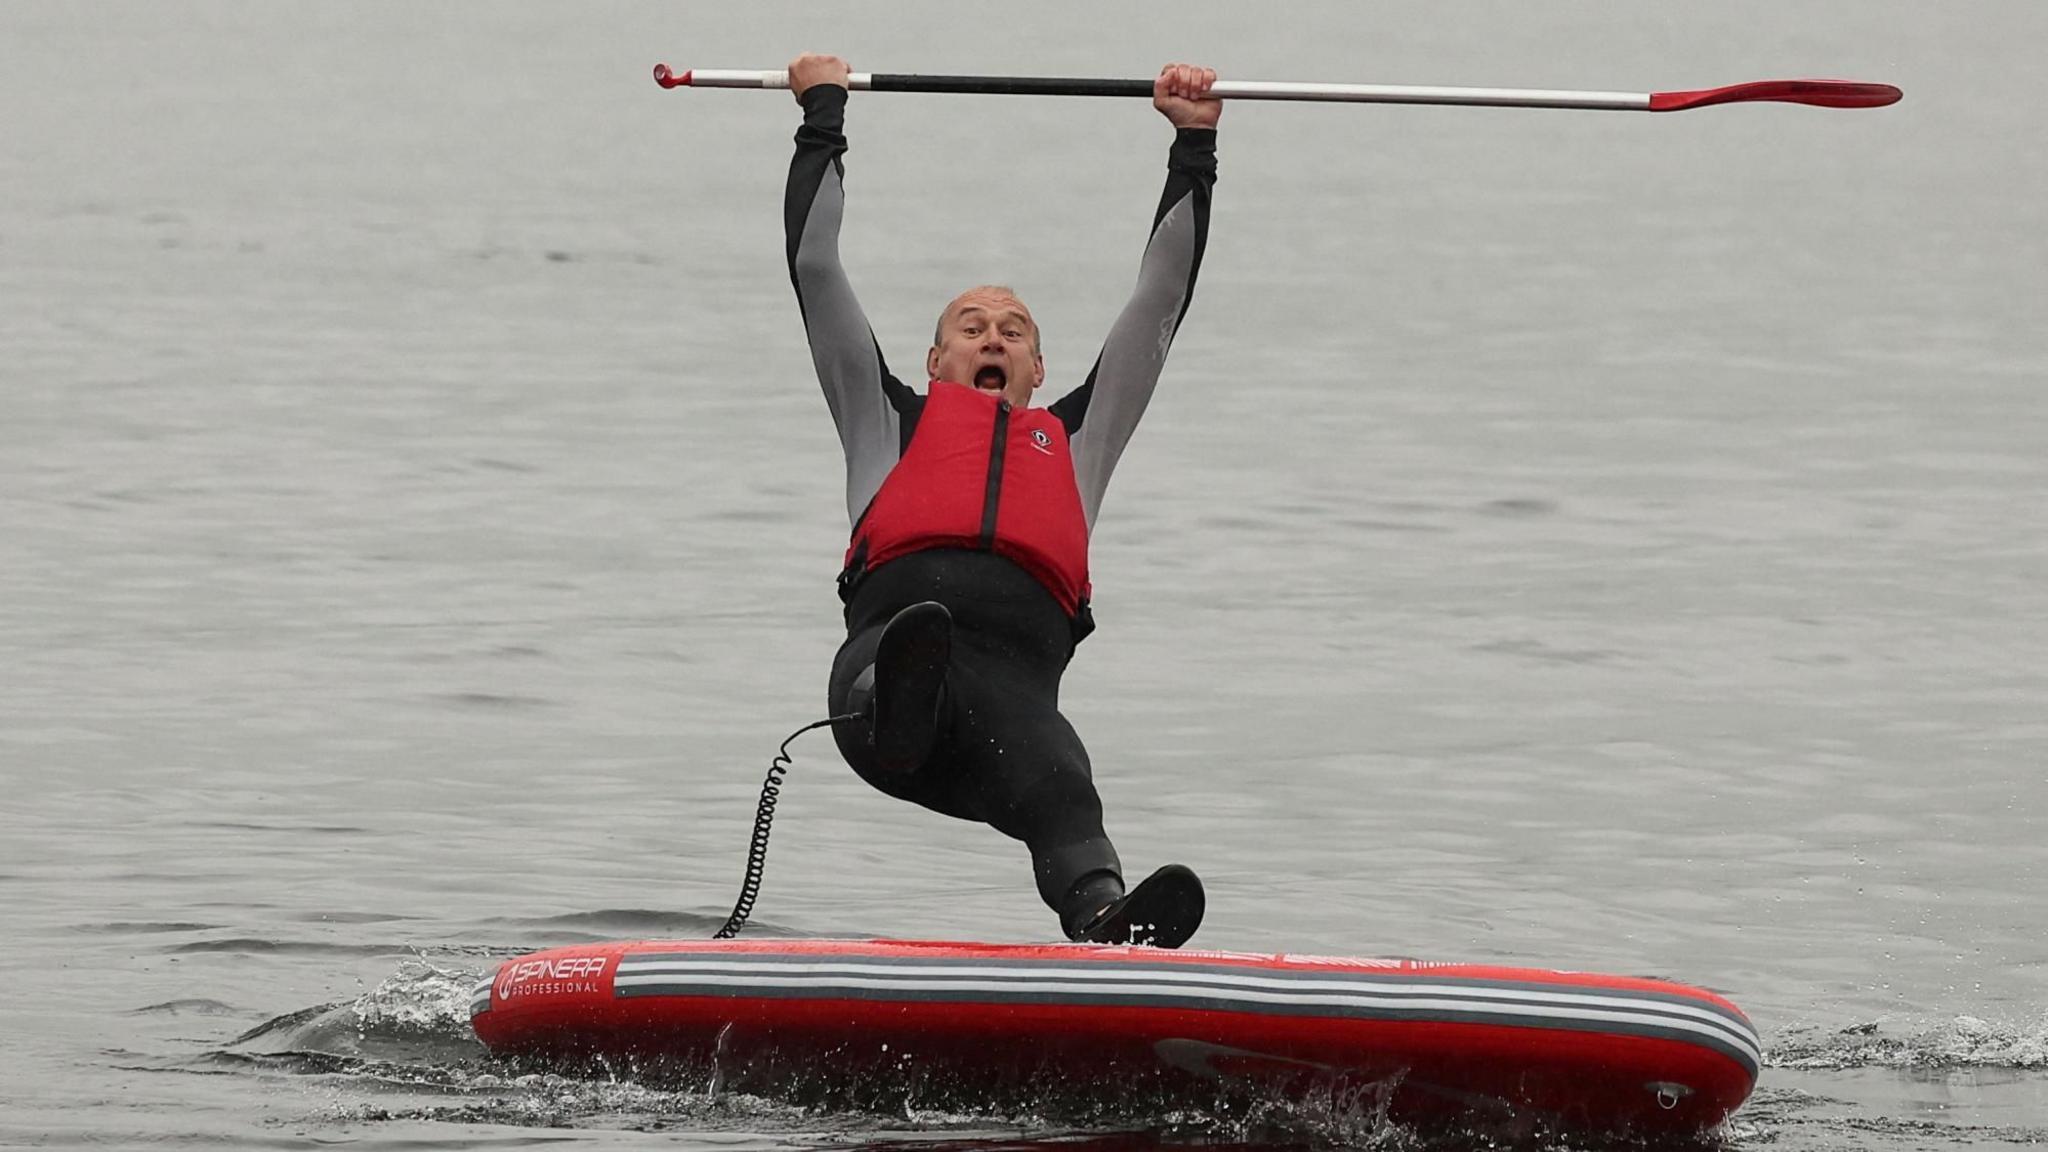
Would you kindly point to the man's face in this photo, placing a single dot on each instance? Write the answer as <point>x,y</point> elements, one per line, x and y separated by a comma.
<point>988,341</point>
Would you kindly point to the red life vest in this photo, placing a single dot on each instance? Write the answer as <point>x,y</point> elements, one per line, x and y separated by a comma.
<point>981,474</point>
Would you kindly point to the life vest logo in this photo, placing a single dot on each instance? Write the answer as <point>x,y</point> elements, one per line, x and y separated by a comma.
<point>550,977</point>
<point>1041,440</point>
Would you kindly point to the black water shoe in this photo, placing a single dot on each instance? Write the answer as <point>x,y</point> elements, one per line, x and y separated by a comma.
<point>1163,911</point>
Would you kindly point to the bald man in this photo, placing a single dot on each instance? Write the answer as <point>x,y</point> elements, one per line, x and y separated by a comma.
<point>966,580</point>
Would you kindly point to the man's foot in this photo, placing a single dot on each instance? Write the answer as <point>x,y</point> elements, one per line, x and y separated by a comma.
<point>1163,911</point>
<point>910,684</point>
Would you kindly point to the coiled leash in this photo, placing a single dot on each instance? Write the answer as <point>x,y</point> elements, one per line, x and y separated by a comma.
<point>764,815</point>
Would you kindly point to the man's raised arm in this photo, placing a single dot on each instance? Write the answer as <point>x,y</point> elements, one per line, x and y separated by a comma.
<point>858,387</point>
<point>1102,413</point>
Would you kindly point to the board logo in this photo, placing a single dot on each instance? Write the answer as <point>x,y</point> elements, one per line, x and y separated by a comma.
<point>551,976</point>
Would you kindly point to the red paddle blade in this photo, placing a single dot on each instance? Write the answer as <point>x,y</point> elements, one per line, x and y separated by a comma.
<point>1822,93</point>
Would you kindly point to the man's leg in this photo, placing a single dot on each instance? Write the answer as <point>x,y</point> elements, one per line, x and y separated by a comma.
<point>878,655</point>
<point>1004,755</point>
<point>1030,777</point>
<point>1040,790</point>
<point>908,685</point>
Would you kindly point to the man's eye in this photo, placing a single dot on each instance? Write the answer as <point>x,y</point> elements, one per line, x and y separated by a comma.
<point>1013,334</point>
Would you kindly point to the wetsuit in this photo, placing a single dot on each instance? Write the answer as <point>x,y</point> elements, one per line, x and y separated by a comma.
<point>1004,755</point>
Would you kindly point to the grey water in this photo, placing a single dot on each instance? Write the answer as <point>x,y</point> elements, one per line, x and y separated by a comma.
<point>1588,540</point>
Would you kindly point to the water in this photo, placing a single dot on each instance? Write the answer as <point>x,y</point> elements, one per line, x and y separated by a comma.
<point>1588,540</point>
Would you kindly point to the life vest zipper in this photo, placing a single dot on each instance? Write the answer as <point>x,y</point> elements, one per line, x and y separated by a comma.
<point>992,495</point>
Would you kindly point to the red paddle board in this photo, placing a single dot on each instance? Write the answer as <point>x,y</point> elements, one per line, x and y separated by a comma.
<point>1460,1043</point>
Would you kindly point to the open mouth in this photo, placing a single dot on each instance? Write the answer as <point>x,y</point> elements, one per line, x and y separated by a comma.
<point>991,379</point>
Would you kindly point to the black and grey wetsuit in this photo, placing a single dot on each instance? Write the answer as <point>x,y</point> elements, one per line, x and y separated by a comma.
<point>1006,756</point>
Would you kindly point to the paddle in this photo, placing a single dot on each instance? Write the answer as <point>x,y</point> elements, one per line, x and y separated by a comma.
<point>1821,93</point>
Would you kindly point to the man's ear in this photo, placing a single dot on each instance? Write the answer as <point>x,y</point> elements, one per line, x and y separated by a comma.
<point>1037,370</point>
<point>931,363</point>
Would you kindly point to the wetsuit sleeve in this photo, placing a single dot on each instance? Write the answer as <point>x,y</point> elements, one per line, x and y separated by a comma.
<point>1101,414</point>
<point>866,401</point>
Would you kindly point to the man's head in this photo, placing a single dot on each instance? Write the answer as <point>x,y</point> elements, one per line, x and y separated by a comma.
<point>987,340</point>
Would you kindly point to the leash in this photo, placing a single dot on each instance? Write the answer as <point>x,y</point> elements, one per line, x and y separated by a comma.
<point>764,815</point>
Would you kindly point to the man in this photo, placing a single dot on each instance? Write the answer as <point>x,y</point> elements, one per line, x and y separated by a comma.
<point>966,582</point>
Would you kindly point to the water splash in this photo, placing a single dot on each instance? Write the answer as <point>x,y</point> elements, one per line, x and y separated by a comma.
<point>420,999</point>
<point>417,1015</point>
<point>545,1100</point>
<point>1963,1042</point>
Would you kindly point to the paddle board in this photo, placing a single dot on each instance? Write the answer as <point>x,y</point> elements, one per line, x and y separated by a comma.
<point>1434,1043</point>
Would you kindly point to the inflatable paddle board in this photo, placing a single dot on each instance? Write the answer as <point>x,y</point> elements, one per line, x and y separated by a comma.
<point>1476,1045</point>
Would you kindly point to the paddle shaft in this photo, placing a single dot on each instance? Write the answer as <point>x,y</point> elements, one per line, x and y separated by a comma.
<point>1825,93</point>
